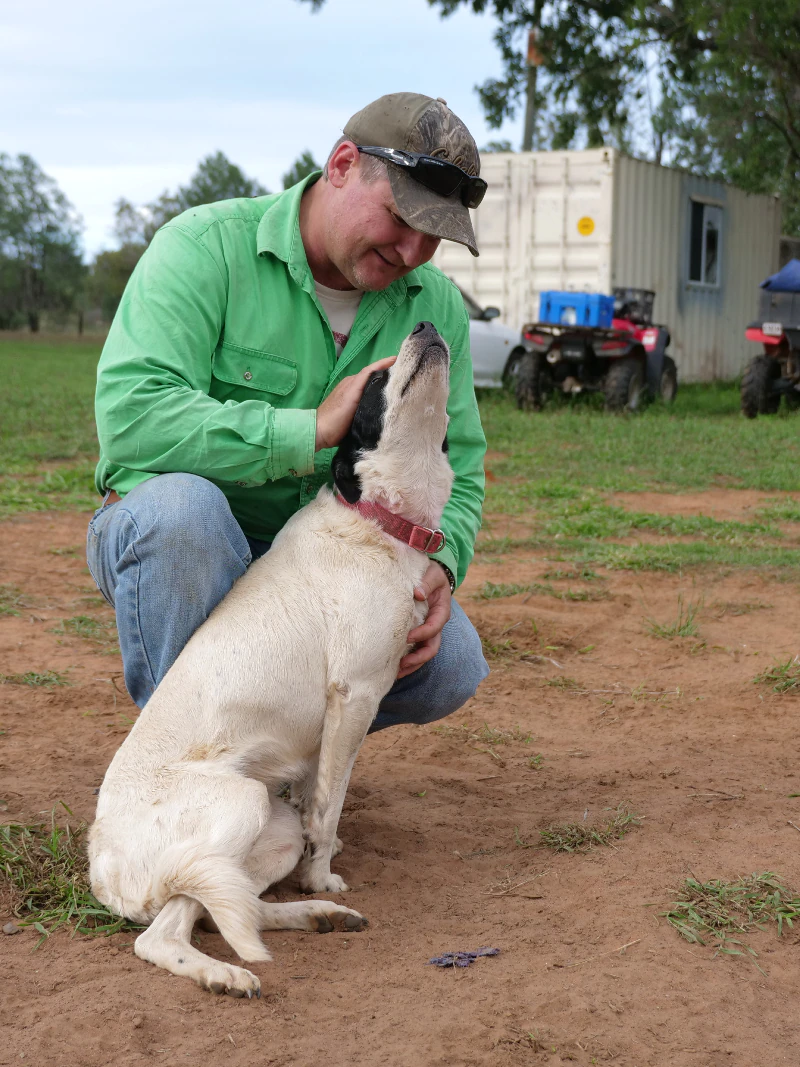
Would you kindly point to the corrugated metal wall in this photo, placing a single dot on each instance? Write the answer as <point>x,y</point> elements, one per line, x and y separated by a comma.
<point>652,207</point>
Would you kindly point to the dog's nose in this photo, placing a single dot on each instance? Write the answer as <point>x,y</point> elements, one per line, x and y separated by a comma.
<point>423,326</point>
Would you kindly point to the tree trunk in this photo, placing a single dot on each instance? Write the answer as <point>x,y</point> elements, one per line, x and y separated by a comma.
<point>33,321</point>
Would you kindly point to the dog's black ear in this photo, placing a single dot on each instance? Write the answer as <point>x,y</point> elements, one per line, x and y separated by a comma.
<point>343,468</point>
<point>363,435</point>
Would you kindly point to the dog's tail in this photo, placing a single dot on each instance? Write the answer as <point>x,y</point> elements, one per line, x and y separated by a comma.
<point>218,883</point>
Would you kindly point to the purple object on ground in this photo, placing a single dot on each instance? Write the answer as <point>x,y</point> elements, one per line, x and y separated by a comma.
<point>461,959</point>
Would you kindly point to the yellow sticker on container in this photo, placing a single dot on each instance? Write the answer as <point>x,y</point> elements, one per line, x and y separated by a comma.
<point>586,225</point>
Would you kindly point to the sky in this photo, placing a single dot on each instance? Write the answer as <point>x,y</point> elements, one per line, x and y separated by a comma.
<point>122,100</point>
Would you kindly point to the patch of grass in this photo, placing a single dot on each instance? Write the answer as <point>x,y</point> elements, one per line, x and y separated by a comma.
<point>581,837</point>
<point>699,441</point>
<point>487,735</point>
<point>9,600</point>
<point>584,574</point>
<point>492,591</point>
<point>48,679</point>
<point>48,441</point>
<point>535,762</point>
<point>84,626</point>
<point>73,551</point>
<point>563,682</point>
<point>46,868</point>
<point>778,510</point>
<point>497,649</point>
<point>782,678</point>
<point>711,912</point>
<point>684,625</point>
<point>736,608</point>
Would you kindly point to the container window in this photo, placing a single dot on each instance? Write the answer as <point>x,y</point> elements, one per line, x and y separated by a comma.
<point>704,243</point>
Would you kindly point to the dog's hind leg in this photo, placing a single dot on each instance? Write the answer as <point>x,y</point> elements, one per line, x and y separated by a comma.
<point>347,718</point>
<point>167,943</point>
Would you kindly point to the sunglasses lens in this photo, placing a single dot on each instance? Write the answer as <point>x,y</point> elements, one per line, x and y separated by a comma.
<point>441,178</point>
<point>473,192</point>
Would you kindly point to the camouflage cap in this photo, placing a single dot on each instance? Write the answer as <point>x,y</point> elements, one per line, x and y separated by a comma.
<point>417,123</point>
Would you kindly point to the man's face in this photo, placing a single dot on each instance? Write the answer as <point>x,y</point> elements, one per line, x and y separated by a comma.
<point>367,240</point>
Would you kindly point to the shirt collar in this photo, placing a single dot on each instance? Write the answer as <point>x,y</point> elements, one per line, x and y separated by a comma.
<point>279,233</point>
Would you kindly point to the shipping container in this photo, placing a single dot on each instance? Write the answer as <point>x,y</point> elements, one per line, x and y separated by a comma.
<point>592,220</point>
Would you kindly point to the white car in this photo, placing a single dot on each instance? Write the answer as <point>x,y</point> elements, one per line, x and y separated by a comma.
<point>496,349</point>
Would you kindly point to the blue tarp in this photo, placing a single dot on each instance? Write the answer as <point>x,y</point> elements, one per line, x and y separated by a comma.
<point>787,280</point>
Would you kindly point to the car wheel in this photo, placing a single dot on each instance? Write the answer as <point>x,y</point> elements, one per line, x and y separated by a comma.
<point>511,371</point>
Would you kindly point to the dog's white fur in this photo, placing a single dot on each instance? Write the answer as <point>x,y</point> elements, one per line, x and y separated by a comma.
<point>279,685</point>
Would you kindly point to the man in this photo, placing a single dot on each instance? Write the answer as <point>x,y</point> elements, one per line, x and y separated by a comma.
<point>235,364</point>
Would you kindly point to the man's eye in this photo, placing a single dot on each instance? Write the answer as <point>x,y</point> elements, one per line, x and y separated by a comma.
<point>397,219</point>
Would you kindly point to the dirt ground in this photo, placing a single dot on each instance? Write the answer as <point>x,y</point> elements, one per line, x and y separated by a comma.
<point>434,829</point>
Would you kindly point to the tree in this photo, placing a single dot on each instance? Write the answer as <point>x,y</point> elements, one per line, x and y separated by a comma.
<point>40,261</point>
<point>304,165</point>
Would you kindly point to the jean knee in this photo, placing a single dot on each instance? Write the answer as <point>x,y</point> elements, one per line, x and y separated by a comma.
<point>189,516</point>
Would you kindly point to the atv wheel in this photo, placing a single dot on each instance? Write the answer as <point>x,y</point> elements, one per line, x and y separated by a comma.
<point>792,400</point>
<point>625,385</point>
<point>511,371</point>
<point>757,395</point>
<point>533,382</point>
<point>669,380</point>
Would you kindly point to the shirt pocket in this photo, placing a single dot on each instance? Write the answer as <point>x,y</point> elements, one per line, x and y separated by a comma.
<point>251,371</point>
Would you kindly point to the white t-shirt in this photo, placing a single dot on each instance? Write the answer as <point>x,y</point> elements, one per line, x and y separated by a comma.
<point>340,305</point>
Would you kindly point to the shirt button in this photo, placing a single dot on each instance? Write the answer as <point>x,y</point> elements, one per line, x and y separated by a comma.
<point>247,375</point>
<point>243,485</point>
<point>293,472</point>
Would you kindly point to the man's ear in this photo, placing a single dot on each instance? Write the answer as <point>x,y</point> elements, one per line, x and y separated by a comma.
<point>344,159</point>
<point>343,469</point>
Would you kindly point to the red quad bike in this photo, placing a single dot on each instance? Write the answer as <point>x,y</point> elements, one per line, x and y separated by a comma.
<point>626,362</point>
<point>775,373</point>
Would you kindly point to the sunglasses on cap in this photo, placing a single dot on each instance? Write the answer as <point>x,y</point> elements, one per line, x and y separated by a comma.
<point>435,174</point>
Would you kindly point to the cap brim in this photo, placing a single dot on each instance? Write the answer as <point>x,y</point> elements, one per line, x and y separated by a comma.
<point>426,211</point>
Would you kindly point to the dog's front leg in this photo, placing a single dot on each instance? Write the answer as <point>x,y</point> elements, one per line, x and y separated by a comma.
<point>347,720</point>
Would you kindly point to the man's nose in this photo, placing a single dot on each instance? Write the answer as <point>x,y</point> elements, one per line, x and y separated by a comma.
<point>417,248</point>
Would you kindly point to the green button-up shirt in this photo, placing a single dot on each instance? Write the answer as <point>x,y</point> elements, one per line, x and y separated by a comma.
<point>220,354</point>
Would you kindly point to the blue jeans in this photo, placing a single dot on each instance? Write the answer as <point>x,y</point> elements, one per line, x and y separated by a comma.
<point>167,554</point>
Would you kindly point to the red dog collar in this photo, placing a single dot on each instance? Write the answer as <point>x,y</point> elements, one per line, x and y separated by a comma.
<point>418,537</point>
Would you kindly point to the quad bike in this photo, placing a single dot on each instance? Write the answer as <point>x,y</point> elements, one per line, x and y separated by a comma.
<point>626,362</point>
<point>775,373</point>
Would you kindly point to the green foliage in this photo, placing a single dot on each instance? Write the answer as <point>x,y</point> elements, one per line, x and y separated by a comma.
<point>581,837</point>
<point>40,262</point>
<point>783,677</point>
<point>10,598</point>
<point>46,868</point>
<point>47,679</point>
<point>304,165</point>
<point>713,911</point>
<point>684,624</point>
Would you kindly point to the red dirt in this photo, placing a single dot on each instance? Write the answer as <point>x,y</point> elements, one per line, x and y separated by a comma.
<point>429,830</point>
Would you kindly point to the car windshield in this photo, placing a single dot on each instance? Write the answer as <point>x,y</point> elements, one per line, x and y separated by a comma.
<point>475,311</point>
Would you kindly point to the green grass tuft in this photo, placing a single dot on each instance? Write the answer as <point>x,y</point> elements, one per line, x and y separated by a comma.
<point>487,735</point>
<point>48,679</point>
<point>10,599</point>
<point>581,837</point>
<point>491,591</point>
<point>47,870</point>
<point>713,911</point>
<point>684,625</point>
<point>781,678</point>
<point>84,626</point>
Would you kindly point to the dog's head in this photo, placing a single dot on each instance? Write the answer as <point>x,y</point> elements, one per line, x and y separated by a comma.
<point>396,450</point>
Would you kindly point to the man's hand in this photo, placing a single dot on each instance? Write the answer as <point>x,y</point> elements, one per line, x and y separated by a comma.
<point>435,588</point>
<point>335,413</point>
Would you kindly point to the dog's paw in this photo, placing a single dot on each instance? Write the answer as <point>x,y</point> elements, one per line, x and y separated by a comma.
<point>338,847</point>
<point>333,917</point>
<point>235,981</point>
<point>314,882</point>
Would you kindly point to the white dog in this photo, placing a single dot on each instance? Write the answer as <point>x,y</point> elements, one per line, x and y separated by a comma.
<point>279,685</point>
